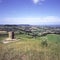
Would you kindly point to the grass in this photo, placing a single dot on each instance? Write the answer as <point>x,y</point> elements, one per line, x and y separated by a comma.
<point>53,37</point>
<point>28,48</point>
<point>3,37</point>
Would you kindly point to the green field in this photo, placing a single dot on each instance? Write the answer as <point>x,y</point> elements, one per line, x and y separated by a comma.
<point>28,48</point>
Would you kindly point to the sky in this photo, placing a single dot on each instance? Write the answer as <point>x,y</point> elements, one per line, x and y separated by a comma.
<point>35,12</point>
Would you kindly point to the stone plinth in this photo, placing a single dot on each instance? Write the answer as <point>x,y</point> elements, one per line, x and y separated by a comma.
<point>11,35</point>
<point>10,38</point>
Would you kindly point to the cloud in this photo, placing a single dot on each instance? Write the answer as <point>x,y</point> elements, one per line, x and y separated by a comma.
<point>21,20</point>
<point>37,1</point>
<point>39,21</point>
<point>51,20</point>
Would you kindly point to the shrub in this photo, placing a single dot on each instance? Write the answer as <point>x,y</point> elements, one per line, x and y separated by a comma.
<point>44,43</point>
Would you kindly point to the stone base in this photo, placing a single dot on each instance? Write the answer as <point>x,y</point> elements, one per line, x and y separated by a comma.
<point>8,40</point>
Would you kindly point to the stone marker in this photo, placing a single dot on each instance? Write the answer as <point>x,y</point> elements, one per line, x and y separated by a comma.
<point>11,35</point>
<point>10,38</point>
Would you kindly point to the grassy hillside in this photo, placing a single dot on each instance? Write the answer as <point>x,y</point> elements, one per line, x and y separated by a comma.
<point>28,48</point>
<point>3,35</point>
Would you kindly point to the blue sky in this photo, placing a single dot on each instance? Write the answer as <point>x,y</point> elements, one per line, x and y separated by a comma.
<point>30,12</point>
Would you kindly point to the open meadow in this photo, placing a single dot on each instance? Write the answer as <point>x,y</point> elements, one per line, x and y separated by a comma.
<point>28,48</point>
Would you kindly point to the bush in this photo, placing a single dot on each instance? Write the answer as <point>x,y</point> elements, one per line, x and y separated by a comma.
<point>44,43</point>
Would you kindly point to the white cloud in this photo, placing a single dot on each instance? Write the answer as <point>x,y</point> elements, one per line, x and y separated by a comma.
<point>37,1</point>
<point>40,20</point>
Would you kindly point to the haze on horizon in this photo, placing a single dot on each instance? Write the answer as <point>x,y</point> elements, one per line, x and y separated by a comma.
<point>36,12</point>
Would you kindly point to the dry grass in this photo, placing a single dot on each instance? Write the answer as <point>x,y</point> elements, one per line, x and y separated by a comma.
<point>29,49</point>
